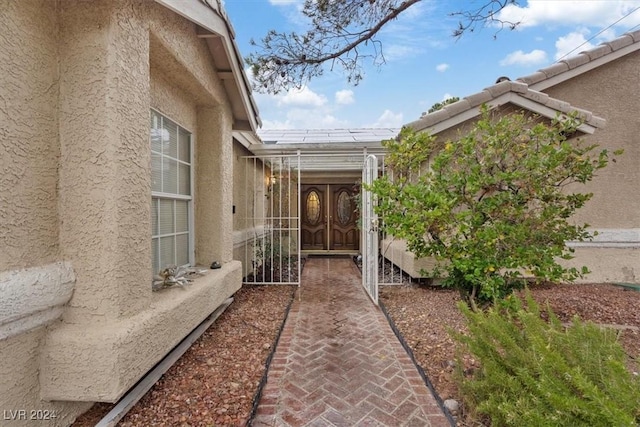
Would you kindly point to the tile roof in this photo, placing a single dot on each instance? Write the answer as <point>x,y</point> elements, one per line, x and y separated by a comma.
<point>505,92</point>
<point>584,61</point>
<point>526,91</point>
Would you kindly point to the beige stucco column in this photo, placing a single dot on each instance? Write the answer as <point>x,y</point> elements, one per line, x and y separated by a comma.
<point>214,186</point>
<point>81,146</point>
<point>104,177</point>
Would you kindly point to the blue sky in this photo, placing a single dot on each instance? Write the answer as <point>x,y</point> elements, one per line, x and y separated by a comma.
<point>424,63</point>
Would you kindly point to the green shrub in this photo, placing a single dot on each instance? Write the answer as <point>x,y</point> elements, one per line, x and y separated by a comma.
<point>538,373</point>
<point>494,206</point>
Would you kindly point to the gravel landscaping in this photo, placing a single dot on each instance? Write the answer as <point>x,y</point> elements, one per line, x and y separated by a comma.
<point>424,316</point>
<point>215,382</point>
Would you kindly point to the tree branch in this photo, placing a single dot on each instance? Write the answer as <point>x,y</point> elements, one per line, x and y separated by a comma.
<point>338,33</point>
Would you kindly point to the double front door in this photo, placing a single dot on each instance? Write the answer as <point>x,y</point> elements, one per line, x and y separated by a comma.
<point>329,218</point>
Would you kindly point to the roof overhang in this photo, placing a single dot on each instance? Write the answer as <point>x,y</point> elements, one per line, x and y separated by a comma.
<point>514,93</point>
<point>320,157</point>
<point>214,27</point>
<point>372,147</point>
<point>247,139</point>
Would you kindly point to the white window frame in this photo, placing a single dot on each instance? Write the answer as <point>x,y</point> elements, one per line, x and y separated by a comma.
<point>155,238</point>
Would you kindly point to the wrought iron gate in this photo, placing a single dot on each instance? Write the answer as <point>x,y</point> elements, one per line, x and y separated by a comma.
<point>369,230</point>
<point>270,243</point>
<point>268,221</point>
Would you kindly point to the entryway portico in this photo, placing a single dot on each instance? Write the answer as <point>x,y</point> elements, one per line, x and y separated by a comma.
<point>311,202</point>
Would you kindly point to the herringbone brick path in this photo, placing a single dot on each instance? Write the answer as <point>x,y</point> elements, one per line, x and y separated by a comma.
<point>338,363</point>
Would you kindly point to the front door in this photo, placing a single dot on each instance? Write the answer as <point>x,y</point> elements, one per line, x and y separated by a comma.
<point>329,218</point>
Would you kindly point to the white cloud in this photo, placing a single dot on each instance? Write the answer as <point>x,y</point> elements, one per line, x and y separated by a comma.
<point>276,124</point>
<point>570,43</point>
<point>395,51</point>
<point>304,98</point>
<point>606,35</point>
<point>344,97</point>
<point>297,118</point>
<point>446,96</point>
<point>570,13</point>
<point>320,118</point>
<point>388,119</point>
<point>519,57</point>
<point>442,67</point>
<point>331,122</point>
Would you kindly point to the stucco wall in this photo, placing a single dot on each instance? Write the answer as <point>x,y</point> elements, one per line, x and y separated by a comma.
<point>81,77</point>
<point>171,101</point>
<point>395,250</point>
<point>136,64</point>
<point>29,203</point>
<point>20,389</point>
<point>104,167</point>
<point>28,134</point>
<point>612,92</point>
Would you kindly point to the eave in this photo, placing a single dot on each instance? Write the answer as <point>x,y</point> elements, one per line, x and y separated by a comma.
<point>500,94</point>
<point>214,27</point>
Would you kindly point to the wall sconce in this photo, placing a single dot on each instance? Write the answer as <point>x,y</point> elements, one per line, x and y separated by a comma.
<point>271,181</point>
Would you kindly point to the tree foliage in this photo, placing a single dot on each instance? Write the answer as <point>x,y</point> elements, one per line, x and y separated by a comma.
<point>492,205</point>
<point>440,105</point>
<point>341,34</point>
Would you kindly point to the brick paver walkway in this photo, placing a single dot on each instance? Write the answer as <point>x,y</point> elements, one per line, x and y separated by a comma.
<point>338,363</point>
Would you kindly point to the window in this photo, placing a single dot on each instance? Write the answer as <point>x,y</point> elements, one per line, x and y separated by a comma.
<point>171,195</point>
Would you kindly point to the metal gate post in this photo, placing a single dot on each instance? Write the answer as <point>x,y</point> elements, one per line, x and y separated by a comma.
<point>369,230</point>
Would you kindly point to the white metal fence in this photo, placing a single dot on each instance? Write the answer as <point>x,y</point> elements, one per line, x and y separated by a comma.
<point>272,245</point>
<point>272,251</point>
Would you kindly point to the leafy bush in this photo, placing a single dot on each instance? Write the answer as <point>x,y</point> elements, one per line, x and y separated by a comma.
<point>538,373</point>
<point>492,205</point>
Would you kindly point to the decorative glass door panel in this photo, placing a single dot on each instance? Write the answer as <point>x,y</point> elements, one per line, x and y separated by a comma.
<point>314,217</point>
<point>329,218</point>
<point>343,219</point>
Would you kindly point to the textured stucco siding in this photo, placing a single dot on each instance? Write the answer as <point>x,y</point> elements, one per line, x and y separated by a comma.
<point>104,167</point>
<point>214,240</point>
<point>611,91</point>
<point>78,79</point>
<point>395,250</point>
<point>29,215</point>
<point>173,102</point>
<point>103,363</point>
<point>178,52</point>
<point>116,327</point>
<point>20,389</point>
<point>28,134</point>
<point>607,265</point>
